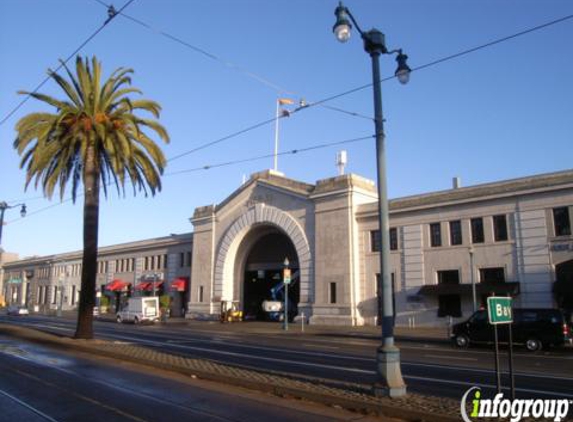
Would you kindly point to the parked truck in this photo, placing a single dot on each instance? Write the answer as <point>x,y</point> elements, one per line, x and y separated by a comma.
<point>139,309</point>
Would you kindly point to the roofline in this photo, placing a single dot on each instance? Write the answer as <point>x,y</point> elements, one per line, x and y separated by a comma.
<point>479,192</point>
<point>150,243</point>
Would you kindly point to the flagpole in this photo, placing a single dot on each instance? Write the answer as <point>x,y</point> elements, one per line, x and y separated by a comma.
<point>276,138</point>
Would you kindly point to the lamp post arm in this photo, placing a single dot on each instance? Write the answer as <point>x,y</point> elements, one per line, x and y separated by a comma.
<point>3,207</point>
<point>347,11</point>
<point>2,210</point>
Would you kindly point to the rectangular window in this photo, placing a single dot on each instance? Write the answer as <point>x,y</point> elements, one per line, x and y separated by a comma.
<point>200,293</point>
<point>188,259</point>
<point>455,232</point>
<point>492,275</point>
<point>332,295</point>
<point>375,241</point>
<point>477,230</point>
<point>561,221</point>
<point>449,277</point>
<point>393,239</point>
<point>164,261</point>
<point>435,235</point>
<point>146,264</point>
<point>500,228</point>
<point>73,295</point>
<point>181,259</point>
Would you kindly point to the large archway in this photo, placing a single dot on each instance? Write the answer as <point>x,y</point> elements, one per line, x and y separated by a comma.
<point>261,257</point>
<point>237,242</point>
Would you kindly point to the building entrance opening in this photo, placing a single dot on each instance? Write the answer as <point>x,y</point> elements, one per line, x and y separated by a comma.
<point>264,291</point>
<point>563,288</point>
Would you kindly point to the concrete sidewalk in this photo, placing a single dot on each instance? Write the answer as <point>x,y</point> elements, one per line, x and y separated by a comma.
<point>354,397</point>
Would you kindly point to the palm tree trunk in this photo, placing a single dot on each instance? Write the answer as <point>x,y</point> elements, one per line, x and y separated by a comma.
<point>84,328</point>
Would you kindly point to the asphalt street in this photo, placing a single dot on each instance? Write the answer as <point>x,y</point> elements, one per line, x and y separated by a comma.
<point>429,367</point>
<point>38,384</point>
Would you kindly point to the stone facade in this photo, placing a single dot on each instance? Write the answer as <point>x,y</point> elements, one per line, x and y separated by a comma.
<point>53,282</point>
<point>509,237</point>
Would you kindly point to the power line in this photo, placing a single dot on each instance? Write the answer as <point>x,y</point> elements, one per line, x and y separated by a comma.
<point>261,157</point>
<point>204,52</point>
<point>112,14</point>
<point>31,213</point>
<point>229,64</point>
<point>217,165</point>
<point>362,87</point>
<point>356,89</point>
<point>224,138</point>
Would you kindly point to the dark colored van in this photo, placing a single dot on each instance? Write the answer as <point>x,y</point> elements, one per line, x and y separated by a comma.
<point>533,328</point>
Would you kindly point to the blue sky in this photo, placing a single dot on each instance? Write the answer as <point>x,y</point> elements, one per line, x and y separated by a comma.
<point>502,112</point>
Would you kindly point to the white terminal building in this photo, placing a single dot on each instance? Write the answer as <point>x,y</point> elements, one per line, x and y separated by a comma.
<point>449,251</point>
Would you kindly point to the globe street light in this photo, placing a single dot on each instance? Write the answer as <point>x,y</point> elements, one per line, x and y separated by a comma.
<point>388,355</point>
<point>3,207</point>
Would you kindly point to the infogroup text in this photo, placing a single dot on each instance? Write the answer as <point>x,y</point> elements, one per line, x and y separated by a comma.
<point>514,410</point>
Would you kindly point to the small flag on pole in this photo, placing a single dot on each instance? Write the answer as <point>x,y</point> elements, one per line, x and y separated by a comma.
<point>285,101</point>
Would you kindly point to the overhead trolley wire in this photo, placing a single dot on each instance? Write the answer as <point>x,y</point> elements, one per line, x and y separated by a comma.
<point>362,87</point>
<point>217,165</point>
<point>261,157</point>
<point>112,14</point>
<point>229,64</point>
<point>333,97</point>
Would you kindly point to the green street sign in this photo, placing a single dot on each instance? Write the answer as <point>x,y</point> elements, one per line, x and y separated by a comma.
<point>499,310</point>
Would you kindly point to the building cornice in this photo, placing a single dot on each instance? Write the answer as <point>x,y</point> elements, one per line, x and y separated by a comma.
<point>478,193</point>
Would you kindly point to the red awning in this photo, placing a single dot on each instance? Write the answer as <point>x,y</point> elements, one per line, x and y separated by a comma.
<point>179,284</point>
<point>142,286</point>
<point>117,285</point>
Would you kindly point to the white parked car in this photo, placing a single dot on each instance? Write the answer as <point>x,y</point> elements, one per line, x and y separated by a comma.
<point>17,310</point>
<point>139,309</point>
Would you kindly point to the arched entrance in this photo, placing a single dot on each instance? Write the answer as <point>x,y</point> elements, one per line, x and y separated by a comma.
<point>263,251</point>
<point>237,242</point>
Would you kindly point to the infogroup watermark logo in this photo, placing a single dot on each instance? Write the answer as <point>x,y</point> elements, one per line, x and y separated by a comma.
<point>514,410</point>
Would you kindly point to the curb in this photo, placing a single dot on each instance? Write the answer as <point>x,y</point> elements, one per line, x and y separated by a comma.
<point>331,393</point>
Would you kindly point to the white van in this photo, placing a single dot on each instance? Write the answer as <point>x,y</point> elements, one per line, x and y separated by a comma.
<point>139,309</point>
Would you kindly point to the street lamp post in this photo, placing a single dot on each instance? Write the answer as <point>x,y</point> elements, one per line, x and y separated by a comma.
<point>390,382</point>
<point>3,207</point>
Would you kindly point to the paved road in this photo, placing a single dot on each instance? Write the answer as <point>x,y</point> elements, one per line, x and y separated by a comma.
<point>40,385</point>
<point>428,367</point>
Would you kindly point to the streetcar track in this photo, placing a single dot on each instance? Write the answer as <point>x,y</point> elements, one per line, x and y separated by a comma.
<point>114,386</point>
<point>28,406</point>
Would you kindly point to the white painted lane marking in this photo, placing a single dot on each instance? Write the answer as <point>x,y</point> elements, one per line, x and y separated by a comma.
<point>485,371</point>
<point>242,355</point>
<point>466,383</point>
<point>450,357</point>
<point>27,406</point>
<point>321,346</point>
<point>331,355</point>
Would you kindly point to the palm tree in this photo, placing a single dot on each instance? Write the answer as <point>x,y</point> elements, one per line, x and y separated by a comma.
<point>95,139</point>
